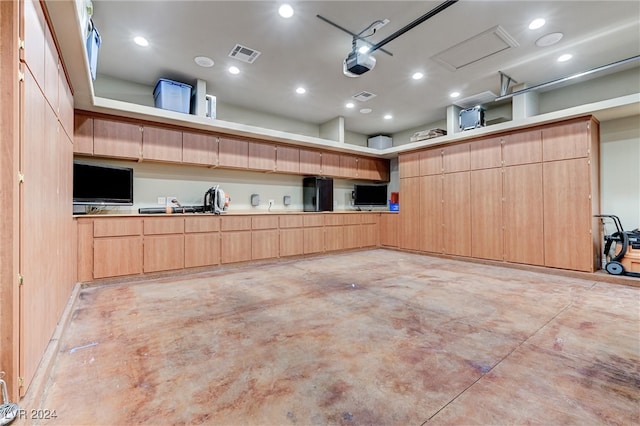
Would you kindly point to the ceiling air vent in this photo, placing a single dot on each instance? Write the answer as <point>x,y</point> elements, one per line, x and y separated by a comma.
<point>476,48</point>
<point>363,96</point>
<point>244,53</point>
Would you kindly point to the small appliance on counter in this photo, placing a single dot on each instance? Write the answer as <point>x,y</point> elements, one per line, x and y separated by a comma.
<point>317,194</point>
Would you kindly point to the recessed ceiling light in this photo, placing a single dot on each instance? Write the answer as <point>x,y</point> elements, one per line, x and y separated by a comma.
<point>537,23</point>
<point>388,117</point>
<point>417,76</point>
<point>140,41</point>
<point>234,70</point>
<point>301,90</point>
<point>285,10</point>
<point>349,105</point>
<point>565,57</point>
<point>549,39</point>
<point>454,94</point>
<point>204,61</point>
<point>365,110</point>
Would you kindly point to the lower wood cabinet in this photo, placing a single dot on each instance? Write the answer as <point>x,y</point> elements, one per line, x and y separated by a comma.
<point>117,256</point>
<point>235,246</point>
<point>201,249</point>
<point>291,242</point>
<point>389,229</point>
<point>313,240</point>
<point>334,238</point>
<point>163,252</point>
<point>265,244</point>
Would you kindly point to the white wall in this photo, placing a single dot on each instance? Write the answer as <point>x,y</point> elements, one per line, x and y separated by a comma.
<point>620,170</point>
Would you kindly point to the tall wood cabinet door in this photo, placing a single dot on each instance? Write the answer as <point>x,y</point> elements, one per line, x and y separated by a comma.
<point>431,213</point>
<point>522,148</point>
<point>431,162</point>
<point>348,166</point>
<point>456,158</point>
<point>456,213</point>
<point>34,36</point>
<point>116,139</point>
<point>233,153</point>
<point>262,156</point>
<point>199,148</point>
<point>409,164</point>
<point>291,242</point>
<point>287,159</point>
<point>389,229</point>
<point>163,252</point>
<point>82,134</point>
<point>486,214</point>
<point>161,144</point>
<point>564,141</point>
<point>410,217</point>
<point>568,241</point>
<point>486,153</point>
<point>523,214</point>
<point>310,162</point>
<point>331,164</point>
<point>116,256</point>
<point>202,249</point>
<point>51,62</point>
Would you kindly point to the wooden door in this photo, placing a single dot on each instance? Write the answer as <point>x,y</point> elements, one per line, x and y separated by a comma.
<point>313,240</point>
<point>287,159</point>
<point>523,214</point>
<point>409,164</point>
<point>389,229</point>
<point>199,148</point>
<point>348,166</point>
<point>117,139</point>
<point>161,144</point>
<point>409,215</point>
<point>83,134</point>
<point>331,164</point>
<point>456,158</point>
<point>486,214</point>
<point>262,156</point>
<point>334,238</point>
<point>233,153</point>
<point>310,162</point>
<point>430,162</point>
<point>431,214</point>
<point>117,256</point>
<point>568,241</point>
<point>456,212</point>
<point>564,141</point>
<point>201,249</point>
<point>235,246</point>
<point>163,252</point>
<point>291,242</point>
<point>486,153</point>
<point>264,244</point>
<point>522,148</point>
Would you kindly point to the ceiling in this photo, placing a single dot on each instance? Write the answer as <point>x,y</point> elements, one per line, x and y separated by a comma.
<point>306,51</point>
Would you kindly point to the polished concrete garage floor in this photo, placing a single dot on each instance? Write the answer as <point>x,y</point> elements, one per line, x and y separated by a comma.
<point>374,337</point>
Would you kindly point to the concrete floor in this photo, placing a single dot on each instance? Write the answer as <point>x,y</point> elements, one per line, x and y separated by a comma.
<point>372,337</point>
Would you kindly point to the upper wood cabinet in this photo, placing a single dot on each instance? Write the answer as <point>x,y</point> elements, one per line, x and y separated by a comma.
<point>409,164</point>
<point>262,156</point>
<point>373,169</point>
<point>330,164</point>
<point>116,138</point>
<point>199,148</point>
<point>565,141</point>
<point>310,162</point>
<point>34,36</point>
<point>522,148</point>
<point>456,158</point>
<point>51,64</point>
<point>486,153</point>
<point>83,134</point>
<point>430,162</point>
<point>348,166</point>
<point>287,159</point>
<point>161,144</point>
<point>233,153</point>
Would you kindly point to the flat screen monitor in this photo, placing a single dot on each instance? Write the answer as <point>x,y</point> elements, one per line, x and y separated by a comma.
<point>370,195</point>
<point>98,184</point>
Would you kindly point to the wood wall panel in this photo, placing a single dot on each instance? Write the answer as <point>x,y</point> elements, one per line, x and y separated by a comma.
<point>163,252</point>
<point>487,237</point>
<point>456,212</point>
<point>201,249</point>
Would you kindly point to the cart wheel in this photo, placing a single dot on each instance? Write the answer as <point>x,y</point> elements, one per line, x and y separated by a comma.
<point>614,268</point>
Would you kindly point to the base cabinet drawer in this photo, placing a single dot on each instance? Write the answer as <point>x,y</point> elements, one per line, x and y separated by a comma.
<point>116,256</point>
<point>163,252</point>
<point>201,249</point>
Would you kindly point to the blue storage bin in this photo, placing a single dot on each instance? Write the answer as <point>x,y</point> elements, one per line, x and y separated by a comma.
<point>172,95</point>
<point>394,207</point>
<point>93,44</point>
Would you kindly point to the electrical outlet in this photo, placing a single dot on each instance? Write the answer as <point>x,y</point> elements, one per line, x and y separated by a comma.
<point>162,201</point>
<point>271,202</point>
<point>169,202</point>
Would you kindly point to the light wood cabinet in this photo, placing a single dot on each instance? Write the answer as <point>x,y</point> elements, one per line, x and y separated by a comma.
<point>161,144</point>
<point>113,227</point>
<point>83,134</point>
<point>235,246</point>
<point>373,169</point>
<point>369,235</point>
<point>201,224</point>
<point>313,240</point>
<point>456,212</point>
<point>352,236</point>
<point>567,223</point>
<point>331,164</point>
<point>163,225</point>
<point>486,214</point>
<point>291,242</point>
<point>389,229</point>
<point>291,221</point>
<point>201,249</point>
<point>34,39</point>
<point>486,153</point>
<point>310,162</point>
<point>265,244</point>
<point>199,148</point>
<point>431,221</point>
<point>348,166</point>
<point>163,252</point>
<point>409,164</point>
<point>334,237</point>
<point>233,153</point>
<point>456,158</point>
<point>523,214</point>
<point>116,139</point>
<point>85,251</point>
<point>310,220</point>
<point>117,256</point>
<point>51,63</point>
<point>410,215</point>
<point>522,148</point>
<point>565,141</point>
<point>430,162</point>
<point>262,156</point>
<point>264,222</point>
<point>287,159</point>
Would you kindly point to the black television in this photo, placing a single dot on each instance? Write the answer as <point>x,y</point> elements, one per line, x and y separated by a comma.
<point>370,195</point>
<point>98,184</point>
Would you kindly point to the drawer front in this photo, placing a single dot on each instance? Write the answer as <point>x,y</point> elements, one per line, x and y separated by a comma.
<point>163,225</point>
<point>201,224</point>
<point>353,219</point>
<point>264,222</point>
<point>313,220</point>
<point>369,217</point>
<point>291,221</point>
<point>116,227</point>
<point>237,223</point>
<point>334,220</point>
